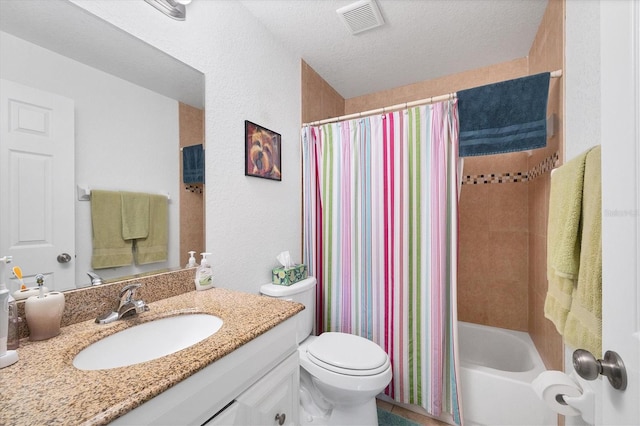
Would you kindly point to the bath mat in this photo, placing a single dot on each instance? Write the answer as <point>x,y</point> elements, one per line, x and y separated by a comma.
<point>385,418</point>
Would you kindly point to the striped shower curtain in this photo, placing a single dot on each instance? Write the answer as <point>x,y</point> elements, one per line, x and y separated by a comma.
<point>380,236</point>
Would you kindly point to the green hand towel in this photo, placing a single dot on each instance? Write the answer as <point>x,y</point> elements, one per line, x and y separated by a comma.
<point>584,322</point>
<point>135,215</point>
<point>109,248</point>
<point>563,238</point>
<point>154,248</point>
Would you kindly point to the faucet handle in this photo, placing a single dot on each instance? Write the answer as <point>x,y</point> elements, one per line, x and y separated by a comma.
<point>95,278</point>
<point>128,292</point>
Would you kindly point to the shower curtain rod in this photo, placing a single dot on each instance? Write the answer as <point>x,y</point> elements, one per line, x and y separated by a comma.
<point>405,105</point>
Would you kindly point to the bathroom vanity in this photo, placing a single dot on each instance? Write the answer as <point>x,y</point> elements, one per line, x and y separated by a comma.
<point>245,373</point>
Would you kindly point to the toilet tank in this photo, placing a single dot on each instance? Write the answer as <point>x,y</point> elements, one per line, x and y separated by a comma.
<point>302,292</point>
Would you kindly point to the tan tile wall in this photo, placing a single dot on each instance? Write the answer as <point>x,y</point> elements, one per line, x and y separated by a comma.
<point>192,218</point>
<point>493,263</point>
<point>547,53</point>
<point>319,99</point>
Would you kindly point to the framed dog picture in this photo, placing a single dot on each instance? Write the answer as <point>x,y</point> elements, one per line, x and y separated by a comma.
<point>262,152</point>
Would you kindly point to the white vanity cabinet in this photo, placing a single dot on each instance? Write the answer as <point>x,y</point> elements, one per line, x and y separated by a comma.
<point>250,386</point>
<point>273,400</point>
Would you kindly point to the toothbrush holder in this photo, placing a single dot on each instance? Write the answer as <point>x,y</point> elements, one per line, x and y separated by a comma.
<point>44,315</point>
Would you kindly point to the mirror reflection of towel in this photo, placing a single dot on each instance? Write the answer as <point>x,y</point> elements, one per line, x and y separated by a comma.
<point>135,215</point>
<point>109,248</point>
<point>154,248</point>
<point>193,164</point>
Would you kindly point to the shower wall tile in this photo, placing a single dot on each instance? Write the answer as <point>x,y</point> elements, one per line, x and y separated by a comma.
<point>192,216</point>
<point>543,332</point>
<point>508,208</point>
<point>475,175</point>
<point>319,99</point>
<point>473,298</point>
<point>511,295</point>
<point>509,260</point>
<point>546,54</point>
<point>472,200</point>
<point>493,263</point>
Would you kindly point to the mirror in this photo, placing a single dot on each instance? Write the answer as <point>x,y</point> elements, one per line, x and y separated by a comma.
<point>128,98</point>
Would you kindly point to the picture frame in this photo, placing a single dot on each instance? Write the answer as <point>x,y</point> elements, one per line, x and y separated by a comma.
<point>262,152</point>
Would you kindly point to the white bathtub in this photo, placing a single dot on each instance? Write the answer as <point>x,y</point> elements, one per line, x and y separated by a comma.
<point>497,367</point>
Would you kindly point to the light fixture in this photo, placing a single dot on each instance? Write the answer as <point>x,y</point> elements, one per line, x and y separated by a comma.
<point>172,8</point>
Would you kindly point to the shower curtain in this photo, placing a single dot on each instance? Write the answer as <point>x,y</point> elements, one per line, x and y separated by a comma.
<point>380,236</point>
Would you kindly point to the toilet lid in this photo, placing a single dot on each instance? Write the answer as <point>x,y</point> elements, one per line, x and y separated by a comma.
<point>347,354</point>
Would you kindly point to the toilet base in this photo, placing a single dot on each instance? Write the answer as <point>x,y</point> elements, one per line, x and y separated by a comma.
<point>362,414</point>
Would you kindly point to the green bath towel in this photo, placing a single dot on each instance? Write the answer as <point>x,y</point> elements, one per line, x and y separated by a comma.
<point>135,215</point>
<point>584,322</point>
<point>563,238</point>
<point>155,247</point>
<point>109,248</point>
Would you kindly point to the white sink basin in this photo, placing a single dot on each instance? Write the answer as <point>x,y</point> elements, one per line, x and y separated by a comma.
<point>147,341</point>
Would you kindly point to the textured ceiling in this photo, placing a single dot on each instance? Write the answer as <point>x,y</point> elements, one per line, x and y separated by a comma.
<point>420,40</point>
<point>64,28</point>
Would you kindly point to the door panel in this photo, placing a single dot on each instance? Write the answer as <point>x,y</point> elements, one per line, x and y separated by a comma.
<point>37,216</point>
<point>620,108</point>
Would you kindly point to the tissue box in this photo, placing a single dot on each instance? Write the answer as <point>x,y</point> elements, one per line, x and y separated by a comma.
<point>288,276</point>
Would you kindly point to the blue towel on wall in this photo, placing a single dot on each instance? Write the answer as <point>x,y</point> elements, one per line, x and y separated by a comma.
<point>193,164</point>
<point>504,117</point>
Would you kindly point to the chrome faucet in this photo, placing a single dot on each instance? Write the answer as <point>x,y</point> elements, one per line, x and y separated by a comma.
<point>127,305</point>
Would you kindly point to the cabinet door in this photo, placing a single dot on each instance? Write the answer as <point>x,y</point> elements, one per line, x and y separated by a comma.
<point>273,400</point>
<point>231,415</point>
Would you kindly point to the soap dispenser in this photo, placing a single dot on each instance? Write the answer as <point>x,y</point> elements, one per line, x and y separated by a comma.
<point>192,260</point>
<point>204,274</point>
<point>44,312</point>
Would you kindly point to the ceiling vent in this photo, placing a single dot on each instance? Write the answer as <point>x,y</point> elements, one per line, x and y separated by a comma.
<point>361,16</point>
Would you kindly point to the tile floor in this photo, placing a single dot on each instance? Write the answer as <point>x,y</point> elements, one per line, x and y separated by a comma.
<point>407,414</point>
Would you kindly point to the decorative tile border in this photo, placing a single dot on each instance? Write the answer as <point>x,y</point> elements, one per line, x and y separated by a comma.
<point>511,177</point>
<point>494,178</point>
<point>545,166</point>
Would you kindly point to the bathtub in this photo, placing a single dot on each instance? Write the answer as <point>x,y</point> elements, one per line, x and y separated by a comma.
<point>497,367</point>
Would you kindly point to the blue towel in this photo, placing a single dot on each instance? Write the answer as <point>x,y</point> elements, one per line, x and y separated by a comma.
<point>504,117</point>
<point>193,164</point>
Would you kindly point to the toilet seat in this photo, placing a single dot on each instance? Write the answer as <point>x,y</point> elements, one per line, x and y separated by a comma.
<point>347,354</point>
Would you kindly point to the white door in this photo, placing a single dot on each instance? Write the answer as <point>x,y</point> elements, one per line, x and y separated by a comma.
<point>37,216</point>
<point>620,97</point>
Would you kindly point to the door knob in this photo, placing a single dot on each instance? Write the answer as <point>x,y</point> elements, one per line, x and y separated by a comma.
<point>64,258</point>
<point>589,368</point>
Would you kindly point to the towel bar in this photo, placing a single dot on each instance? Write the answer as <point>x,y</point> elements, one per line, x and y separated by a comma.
<point>84,193</point>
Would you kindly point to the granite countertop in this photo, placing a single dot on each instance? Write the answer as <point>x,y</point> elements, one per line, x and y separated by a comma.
<point>44,387</point>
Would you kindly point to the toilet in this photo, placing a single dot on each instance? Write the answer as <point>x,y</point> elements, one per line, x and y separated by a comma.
<point>340,373</point>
